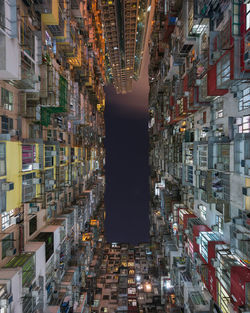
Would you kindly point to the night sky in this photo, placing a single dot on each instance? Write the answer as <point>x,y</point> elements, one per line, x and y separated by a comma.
<point>127,169</point>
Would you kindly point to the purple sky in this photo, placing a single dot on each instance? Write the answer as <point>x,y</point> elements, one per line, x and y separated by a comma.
<point>127,170</point>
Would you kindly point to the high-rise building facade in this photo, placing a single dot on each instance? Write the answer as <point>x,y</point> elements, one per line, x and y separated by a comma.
<point>51,152</point>
<point>125,25</point>
<point>199,138</point>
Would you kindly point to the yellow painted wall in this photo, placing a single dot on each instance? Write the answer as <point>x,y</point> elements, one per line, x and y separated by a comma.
<point>53,17</point>
<point>14,167</point>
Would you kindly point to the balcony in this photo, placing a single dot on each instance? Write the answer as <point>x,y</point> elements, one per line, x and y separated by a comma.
<point>197,302</point>
<point>27,262</point>
<point>9,47</point>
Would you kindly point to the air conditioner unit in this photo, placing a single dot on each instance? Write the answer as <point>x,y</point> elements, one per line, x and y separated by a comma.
<point>197,82</point>
<point>245,163</point>
<point>4,303</point>
<point>186,93</point>
<point>219,166</point>
<point>35,209</point>
<point>36,181</point>
<point>239,236</point>
<point>200,122</point>
<point>215,263</point>
<point>52,182</point>
<point>35,293</point>
<point>11,252</point>
<point>214,127</point>
<point>13,132</point>
<point>36,166</point>
<point>26,290</point>
<point>215,55</point>
<point>219,195</point>
<point>197,172</point>
<point>53,153</point>
<point>246,191</point>
<point>7,186</point>
<point>187,231</point>
<point>215,227</point>
<point>198,240</point>
<point>14,220</point>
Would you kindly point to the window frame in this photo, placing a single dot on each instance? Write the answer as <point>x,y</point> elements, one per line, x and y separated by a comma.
<point>3,159</point>
<point>28,166</point>
<point>7,105</point>
<point>244,126</point>
<point>7,243</point>
<point>247,16</point>
<point>28,196</point>
<point>244,101</point>
<point>6,219</point>
<point>223,69</point>
<point>6,121</point>
<point>203,211</point>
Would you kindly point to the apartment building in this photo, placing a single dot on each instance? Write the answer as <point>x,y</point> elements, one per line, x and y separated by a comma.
<point>51,151</point>
<point>125,26</point>
<point>199,145</point>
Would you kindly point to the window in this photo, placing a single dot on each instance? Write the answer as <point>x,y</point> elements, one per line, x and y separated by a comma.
<point>7,99</point>
<point>28,157</point>
<point>62,155</point>
<point>106,297</point>
<point>49,159</point>
<point>247,16</point>
<point>219,222</point>
<point>6,219</point>
<point>2,197</point>
<point>243,124</point>
<point>2,159</point>
<point>32,225</point>
<point>2,14</point>
<point>202,155</point>
<point>7,243</point>
<point>49,134</point>
<point>49,179</point>
<point>7,124</point>
<point>244,101</point>
<point>28,188</point>
<point>203,211</point>
<point>223,71</point>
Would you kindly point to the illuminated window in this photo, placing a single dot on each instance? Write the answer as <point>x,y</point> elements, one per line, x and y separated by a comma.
<point>203,211</point>
<point>244,102</point>
<point>131,264</point>
<point>28,157</point>
<point>131,272</point>
<point>6,219</point>
<point>223,71</point>
<point>243,124</point>
<point>219,222</point>
<point>131,281</point>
